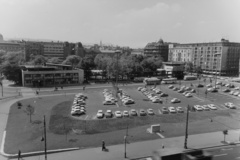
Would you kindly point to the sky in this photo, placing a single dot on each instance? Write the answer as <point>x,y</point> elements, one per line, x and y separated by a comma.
<point>132,23</point>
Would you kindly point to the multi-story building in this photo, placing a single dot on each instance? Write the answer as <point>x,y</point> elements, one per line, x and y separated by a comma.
<point>157,48</point>
<point>180,53</point>
<point>8,46</point>
<point>51,75</point>
<point>221,58</point>
<point>53,49</point>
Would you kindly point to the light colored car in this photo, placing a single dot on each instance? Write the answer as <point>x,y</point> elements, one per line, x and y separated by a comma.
<point>188,95</point>
<point>236,88</point>
<point>179,109</point>
<point>75,111</point>
<point>212,107</point>
<point>128,101</point>
<point>158,91</point>
<point>125,113</point>
<point>139,88</point>
<point>205,108</point>
<point>175,89</point>
<point>108,102</point>
<point>156,100</point>
<point>198,108</point>
<point>118,114</point>
<point>175,100</point>
<point>230,105</point>
<point>236,93</point>
<point>172,110</point>
<point>231,92</point>
<point>100,114</point>
<point>209,85</point>
<point>171,87</point>
<point>192,91</point>
<point>150,111</point>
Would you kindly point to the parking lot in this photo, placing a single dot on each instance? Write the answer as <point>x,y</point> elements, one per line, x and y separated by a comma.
<point>142,102</point>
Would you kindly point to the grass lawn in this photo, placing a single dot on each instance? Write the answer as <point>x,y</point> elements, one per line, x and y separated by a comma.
<point>63,131</point>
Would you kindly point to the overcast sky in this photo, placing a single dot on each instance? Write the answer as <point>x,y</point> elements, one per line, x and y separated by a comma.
<point>131,23</point>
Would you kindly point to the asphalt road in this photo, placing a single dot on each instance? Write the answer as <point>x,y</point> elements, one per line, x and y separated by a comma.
<point>225,153</point>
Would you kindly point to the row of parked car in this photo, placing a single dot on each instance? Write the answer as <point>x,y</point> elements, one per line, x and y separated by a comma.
<point>109,98</point>
<point>186,91</point>
<point>79,104</point>
<point>125,98</point>
<point>125,113</point>
<point>151,96</point>
<point>166,110</point>
<point>206,107</point>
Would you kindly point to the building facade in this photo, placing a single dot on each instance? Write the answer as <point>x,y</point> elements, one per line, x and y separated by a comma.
<point>179,53</point>
<point>53,49</point>
<point>33,49</point>
<point>51,75</point>
<point>175,69</point>
<point>157,49</point>
<point>7,46</point>
<point>220,58</point>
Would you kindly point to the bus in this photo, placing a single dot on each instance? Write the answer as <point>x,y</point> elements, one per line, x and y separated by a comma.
<point>169,81</point>
<point>151,81</point>
<point>189,78</point>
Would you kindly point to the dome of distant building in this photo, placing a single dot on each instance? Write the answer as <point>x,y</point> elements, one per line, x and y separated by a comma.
<point>1,37</point>
<point>160,40</point>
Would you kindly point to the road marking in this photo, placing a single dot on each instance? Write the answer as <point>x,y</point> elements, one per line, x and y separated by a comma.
<point>160,135</point>
<point>86,117</point>
<point>198,98</point>
<point>220,155</point>
<point>117,104</point>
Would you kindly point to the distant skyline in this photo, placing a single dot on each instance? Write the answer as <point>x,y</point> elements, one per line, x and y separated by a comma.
<point>132,23</point>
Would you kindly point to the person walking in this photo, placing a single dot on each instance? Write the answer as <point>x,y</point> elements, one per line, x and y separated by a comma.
<point>103,146</point>
<point>19,155</point>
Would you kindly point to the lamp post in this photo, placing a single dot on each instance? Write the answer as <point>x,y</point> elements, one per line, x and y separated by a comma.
<point>45,137</point>
<point>186,132</point>
<point>125,143</point>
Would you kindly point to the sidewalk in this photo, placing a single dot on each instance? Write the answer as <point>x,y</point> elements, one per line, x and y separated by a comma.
<point>145,148</point>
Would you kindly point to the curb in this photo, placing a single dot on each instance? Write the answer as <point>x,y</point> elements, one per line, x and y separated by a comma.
<point>3,98</point>
<point>28,154</point>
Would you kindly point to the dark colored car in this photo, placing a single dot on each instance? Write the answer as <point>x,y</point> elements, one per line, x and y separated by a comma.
<point>226,90</point>
<point>200,85</point>
<point>142,112</point>
<point>163,95</point>
<point>165,110</point>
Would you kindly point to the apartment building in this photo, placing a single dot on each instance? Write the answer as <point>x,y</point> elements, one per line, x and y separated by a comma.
<point>220,58</point>
<point>8,46</point>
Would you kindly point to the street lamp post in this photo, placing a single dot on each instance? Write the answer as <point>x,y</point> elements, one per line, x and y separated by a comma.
<point>186,132</point>
<point>45,138</point>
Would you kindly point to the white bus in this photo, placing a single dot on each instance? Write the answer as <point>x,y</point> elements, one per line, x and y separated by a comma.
<point>152,81</point>
<point>189,78</point>
<point>169,81</point>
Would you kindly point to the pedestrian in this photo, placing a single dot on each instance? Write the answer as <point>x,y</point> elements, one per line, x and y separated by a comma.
<point>84,87</point>
<point>62,87</point>
<point>103,146</point>
<point>36,92</point>
<point>163,146</point>
<point>19,155</point>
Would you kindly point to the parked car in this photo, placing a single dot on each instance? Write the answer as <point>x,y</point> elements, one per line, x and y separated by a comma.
<point>128,101</point>
<point>125,113</point>
<point>156,100</point>
<point>230,105</point>
<point>172,110</point>
<point>206,108</point>
<point>236,88</point>
<point>108,114</point>
<point>142,112</point>
<point>100,114</point>
<point>150,111</point>
<point>179,109</point>
<point>118,114</point>
<point>108,102</point>
<point>188,95</point>
<point>175,100</point>
<point>139,88</point>
<point>171,87</point>
<point>231,93</point>
<point>163,95</point>
<point>133,112</point>
<point>212,107</point>
<point>198,108</point>
<point>236,93</point>
<point>175,89</point>
<point>192,91</point>
<point>231,86</point>
<point>164,110</point>
<point>226,90</point>
<point>200,85</point>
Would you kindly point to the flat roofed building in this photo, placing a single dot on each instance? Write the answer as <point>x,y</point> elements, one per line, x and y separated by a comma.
<point>7,46</point>
<point>51,75</point>
<point>53,49</point>
<point>175,69</point>
<point>220,58</point>
<point>179,53</point>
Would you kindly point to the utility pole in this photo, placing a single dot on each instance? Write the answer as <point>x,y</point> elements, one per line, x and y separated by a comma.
<point>125,143</point>
<point>45,138</point>
<point>186,132</point>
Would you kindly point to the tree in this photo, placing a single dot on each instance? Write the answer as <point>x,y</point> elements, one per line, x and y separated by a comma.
<point>87,64</point>
<point>30,110</point>
<point>38,60</point>
<point>54,60</point>
<point>225,132</point>
<point>72,60</point>
<point>189,67</point>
